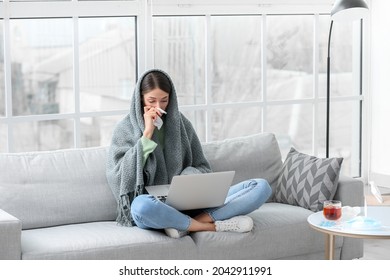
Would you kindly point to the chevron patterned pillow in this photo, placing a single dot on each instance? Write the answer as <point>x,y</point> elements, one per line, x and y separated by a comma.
<point>307,181</point>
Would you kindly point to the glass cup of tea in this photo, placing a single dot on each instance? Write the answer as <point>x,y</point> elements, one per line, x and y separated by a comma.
<point>332,209</point>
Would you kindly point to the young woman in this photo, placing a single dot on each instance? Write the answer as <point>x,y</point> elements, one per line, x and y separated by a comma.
<point>155,142</point>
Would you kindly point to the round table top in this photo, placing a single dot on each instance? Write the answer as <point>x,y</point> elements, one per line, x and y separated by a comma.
<point>370,222</point>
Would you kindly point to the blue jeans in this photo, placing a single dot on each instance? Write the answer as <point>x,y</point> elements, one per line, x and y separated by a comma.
<point>243,198</point>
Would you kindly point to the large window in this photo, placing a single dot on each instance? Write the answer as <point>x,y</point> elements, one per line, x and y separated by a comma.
<point>240,74</point>
<point>69,78</point>
<point>68,73</point>
<point>3,127</point>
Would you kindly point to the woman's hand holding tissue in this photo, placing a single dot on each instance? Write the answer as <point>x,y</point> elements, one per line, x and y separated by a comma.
<point>152,119</point>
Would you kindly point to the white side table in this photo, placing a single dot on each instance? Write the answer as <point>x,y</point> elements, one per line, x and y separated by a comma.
<point>342,228</point>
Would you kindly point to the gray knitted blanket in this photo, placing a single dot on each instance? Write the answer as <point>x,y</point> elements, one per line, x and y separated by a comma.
<point>182,153</point>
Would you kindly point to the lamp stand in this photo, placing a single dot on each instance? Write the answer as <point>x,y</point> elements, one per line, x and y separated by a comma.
<point>328,92</point>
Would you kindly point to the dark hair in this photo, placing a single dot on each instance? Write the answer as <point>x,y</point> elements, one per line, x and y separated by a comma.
<point>155,80</point>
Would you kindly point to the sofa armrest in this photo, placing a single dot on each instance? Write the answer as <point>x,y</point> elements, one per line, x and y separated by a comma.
<point>350,191</point>
<point>10,237</point>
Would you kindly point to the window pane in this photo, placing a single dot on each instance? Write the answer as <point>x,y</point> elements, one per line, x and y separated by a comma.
<point>107,63</point>
<point>43,135</point>
<point>98,131</point>
<point>235,122</point>
<point>236,64</point>
<point>341,58</point>
<point>179,49</point>
<point>3,138</point>
<point>2,85</point>
<point>293,126</point>
<point>344,134</point>
<point>198,120</point>
<point>42,66</point>
<point>289,57</point>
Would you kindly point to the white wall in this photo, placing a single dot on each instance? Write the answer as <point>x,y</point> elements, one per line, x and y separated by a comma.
<point>380,92</point>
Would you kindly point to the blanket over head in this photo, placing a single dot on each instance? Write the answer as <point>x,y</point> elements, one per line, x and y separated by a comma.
<point>182,153</point>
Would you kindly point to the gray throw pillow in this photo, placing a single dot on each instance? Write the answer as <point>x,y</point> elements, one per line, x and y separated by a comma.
<point>307,181</point>
<point>252,156</point>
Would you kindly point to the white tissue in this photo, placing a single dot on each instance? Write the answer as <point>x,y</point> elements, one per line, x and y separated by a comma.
<point>161,110</point>
<point>349,212</point>
<point>158,121</point>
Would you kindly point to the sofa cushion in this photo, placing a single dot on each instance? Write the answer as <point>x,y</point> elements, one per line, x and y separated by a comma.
<point>280,231</point>
<point>254,156</point>
<point>45,189</point>
<point>307,180</point>
<point>103,241</point>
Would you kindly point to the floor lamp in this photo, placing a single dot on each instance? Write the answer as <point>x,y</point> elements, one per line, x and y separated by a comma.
<point>342,10</point>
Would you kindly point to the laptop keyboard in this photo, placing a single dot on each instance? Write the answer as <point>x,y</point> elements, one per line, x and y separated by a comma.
<point>162,198</point>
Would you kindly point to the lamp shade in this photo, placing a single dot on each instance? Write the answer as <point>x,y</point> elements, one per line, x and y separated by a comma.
<point>349,10</point>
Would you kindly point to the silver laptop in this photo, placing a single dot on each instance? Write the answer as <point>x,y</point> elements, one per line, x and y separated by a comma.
<point>195,191</point>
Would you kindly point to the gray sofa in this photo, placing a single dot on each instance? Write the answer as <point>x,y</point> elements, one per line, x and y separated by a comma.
<point>57,205</point>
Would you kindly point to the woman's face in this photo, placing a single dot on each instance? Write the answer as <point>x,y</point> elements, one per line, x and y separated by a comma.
<point>156,98</point>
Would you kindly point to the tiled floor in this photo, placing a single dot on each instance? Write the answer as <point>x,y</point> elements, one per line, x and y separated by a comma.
<point>376,249</point>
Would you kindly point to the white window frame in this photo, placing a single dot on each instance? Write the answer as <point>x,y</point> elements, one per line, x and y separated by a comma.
<point>75,10</point>
<point>144,10</point>
<point>264,8</point>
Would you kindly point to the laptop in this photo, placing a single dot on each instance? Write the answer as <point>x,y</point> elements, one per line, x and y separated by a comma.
<point>195,191</point>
